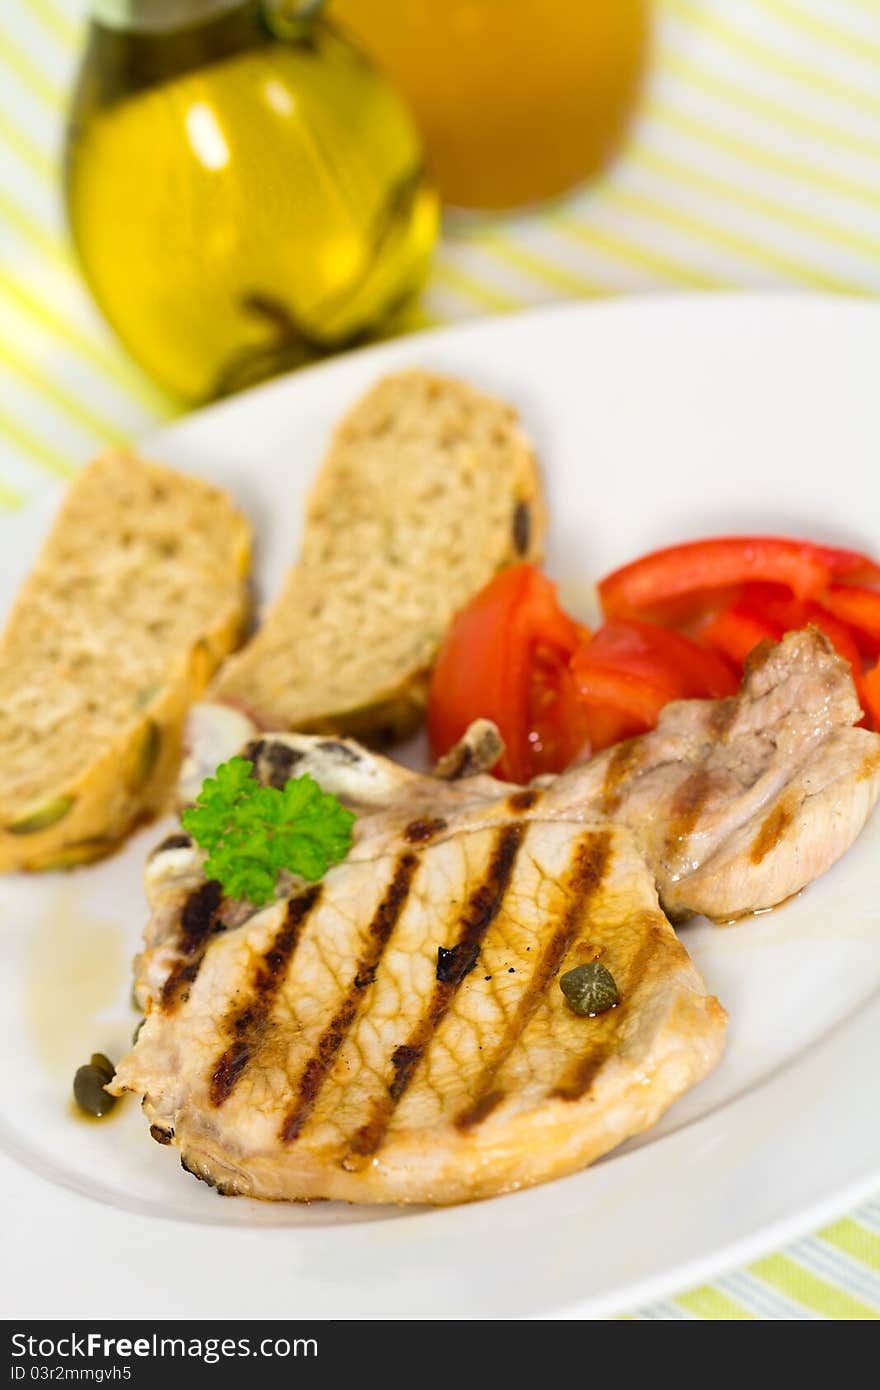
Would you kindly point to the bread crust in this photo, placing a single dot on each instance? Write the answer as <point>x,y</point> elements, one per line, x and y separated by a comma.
<point>429,487</point>
<point>91,753</point>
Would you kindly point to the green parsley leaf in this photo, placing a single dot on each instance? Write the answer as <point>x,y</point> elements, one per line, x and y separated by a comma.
<point>252,832</point>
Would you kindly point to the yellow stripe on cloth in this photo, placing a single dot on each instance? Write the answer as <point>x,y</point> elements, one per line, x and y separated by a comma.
<point>486,296</point>
<point>799,17</point>
<point>627,249</point>
<point>855,1240</point>
<point>704,18</point>
<point>719,188</point>
<point>40,453</point>
<point>10,498</point>
<point>712,1304</point>
<point>736,95</point>
<point>65,30</point>
<point>558,277</point>
<point>95,421</point>
<point>113,364</point>
<point>31,75</point>
<point>758,156</point>
<point>792,1279</point>
<point>717,235</point>
<point>16,139</point>
<point>30,229</point>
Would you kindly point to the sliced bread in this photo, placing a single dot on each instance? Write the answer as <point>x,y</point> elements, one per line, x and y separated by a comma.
<point>429,487</point>
<point>138,594</point>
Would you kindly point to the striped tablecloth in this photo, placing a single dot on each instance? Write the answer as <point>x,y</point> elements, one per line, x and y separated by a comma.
<point>755,162</point>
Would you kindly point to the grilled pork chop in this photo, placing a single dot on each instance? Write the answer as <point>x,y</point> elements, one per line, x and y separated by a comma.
<point>397,1033</point>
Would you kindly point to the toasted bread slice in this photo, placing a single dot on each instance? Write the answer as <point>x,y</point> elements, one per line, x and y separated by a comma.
<point>428,488</point>
<point>138,594</point>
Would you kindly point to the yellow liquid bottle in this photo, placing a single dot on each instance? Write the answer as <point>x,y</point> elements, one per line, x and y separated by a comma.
<point>518,100</point>
<point>245,191</point>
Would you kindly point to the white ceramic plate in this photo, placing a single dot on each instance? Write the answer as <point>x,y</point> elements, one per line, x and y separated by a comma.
<point>655,420</point>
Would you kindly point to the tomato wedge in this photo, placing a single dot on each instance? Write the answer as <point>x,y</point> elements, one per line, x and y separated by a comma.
<point>629,671</point>
<point>672,581</point>
<point>506,658</point>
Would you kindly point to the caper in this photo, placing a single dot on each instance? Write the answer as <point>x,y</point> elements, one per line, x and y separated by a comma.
<point>145,757</point>
<point>102,1064</point>
<point>589,989</point>
<point>40,819</point>
<point>88,1090</point>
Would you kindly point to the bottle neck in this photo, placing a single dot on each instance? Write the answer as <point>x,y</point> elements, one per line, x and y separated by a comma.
<point>157,16</point>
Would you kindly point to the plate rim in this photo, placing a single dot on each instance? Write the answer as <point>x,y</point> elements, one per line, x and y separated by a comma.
<point>686,1274</point>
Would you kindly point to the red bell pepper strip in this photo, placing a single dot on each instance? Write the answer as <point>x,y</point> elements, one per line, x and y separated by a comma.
<point>681,574</point>
<point>871,695</point>
<point>738,629</point>
<point>859,608</point>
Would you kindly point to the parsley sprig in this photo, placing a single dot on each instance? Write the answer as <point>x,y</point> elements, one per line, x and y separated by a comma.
<point>252,832</point>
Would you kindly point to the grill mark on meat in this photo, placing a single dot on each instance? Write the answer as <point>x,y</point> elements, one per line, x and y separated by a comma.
<point>721,715</point>
<point>607,1028</point>
<point>483,907</point>
<point>198,923</point>
<point>464,761</point>
<point>771,831</point>
<point>418,831</point>
<point>584,880</point>
<point>247,1024</point>
<point>621,763</point>
<point>454,964</point>
<point>177,841</point>
<point>758,657</point>
<point>314,1074</point>
<point>273,762</point>
<point>340,751</point>
<point>687,803</point>
<point>518,802</point>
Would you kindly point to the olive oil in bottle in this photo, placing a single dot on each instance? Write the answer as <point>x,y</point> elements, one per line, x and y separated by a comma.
<point>244,189</point>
